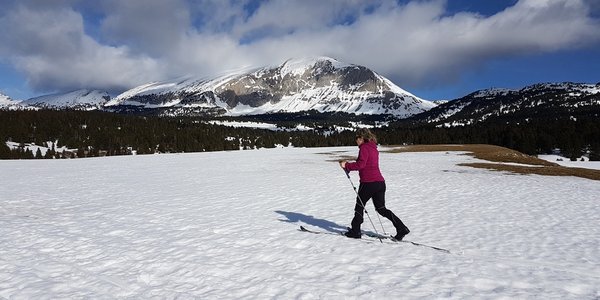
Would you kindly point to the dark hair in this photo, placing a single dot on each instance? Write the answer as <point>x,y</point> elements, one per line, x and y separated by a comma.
<point>366,135</point>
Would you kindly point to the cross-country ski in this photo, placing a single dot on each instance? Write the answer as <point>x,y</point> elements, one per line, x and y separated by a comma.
<point>374,236</point>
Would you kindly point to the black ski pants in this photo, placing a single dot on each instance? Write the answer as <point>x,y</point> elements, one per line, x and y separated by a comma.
<point>375,190</point>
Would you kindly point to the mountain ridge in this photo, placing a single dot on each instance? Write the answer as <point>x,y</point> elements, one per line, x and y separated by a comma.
<point>323,84</point>
<point>8,103</point>
<point>78,99</point>
<point>553,100</point>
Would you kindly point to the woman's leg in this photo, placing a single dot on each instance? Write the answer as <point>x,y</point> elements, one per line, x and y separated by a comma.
<point>379,202</point>
<point>365,192</point>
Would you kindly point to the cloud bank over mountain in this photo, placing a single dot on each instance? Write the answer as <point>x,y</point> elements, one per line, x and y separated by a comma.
<point>114,45</point>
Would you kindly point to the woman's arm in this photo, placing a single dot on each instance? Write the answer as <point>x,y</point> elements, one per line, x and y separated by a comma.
<point>360,163</point>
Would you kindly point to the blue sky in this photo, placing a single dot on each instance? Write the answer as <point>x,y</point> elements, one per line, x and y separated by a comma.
<point>435,49</point>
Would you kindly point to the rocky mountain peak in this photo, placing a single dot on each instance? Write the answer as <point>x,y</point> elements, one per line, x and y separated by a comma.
<point>300,84</point>
<point>320,83</point>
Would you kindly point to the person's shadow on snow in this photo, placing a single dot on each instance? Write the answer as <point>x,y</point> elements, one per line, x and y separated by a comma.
<point>293,217</point>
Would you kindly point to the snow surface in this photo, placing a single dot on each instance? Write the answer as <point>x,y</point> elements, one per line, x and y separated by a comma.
<point>450,112</point>
<point>297,66</point>
<point>5,100</point>
<point>299,127</point>
<point>146,89</point>
<point>564,161</point>
<point>260,125</point>
<point>224,225</point>
<point>348,101</point>
<point>492,92</point>
<point>570,86</point>
<point>190,85</point>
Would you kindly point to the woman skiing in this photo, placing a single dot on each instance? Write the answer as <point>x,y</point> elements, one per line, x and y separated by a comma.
<point>372,185</point>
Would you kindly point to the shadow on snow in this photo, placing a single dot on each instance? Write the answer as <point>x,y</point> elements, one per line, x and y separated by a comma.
<point>293,217</point>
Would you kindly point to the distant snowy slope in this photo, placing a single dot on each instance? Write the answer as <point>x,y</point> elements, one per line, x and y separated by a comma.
<point>5,100</point>
<point>319,83</point>
<point>558,100</point>
<point>84,99</point>
<point>224,225</point>
<point>7,103</point>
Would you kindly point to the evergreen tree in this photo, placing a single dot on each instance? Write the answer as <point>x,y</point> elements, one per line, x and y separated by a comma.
<point>5,152</point>
<point>28,154</point>
<point>595,152</point>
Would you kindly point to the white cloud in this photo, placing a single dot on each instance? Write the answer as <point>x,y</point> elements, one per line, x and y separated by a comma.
<point>148,40</point>
<point>52,49</point>
<point>147,26</point>
<point>280,17</point>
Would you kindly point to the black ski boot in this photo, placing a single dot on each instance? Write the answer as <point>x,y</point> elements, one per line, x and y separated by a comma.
<point>401,233</point>
<point>351,233</point>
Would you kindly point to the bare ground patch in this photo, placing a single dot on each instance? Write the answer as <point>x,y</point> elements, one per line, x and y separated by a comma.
<point>336,156</point>
<point>502,155</point>
<point>546,170</point>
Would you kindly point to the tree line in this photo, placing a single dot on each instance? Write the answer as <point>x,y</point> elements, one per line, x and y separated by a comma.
<point>97,133</point>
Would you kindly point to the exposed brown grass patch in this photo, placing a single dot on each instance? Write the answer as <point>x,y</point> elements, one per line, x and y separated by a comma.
<point>337,156</point>
<point>546,170</point>
<point>504,155</point>
<point>480,151</point>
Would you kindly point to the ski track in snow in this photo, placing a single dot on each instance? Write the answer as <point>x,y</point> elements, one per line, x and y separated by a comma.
<point>225,225</point>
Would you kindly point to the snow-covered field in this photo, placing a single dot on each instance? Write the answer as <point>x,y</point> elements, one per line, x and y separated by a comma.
<point>224,225</point>
<point>299,127</point>
<point>566,162</point>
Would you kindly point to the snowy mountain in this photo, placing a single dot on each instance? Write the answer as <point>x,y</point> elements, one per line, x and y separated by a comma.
<point>548,100</point>
<point>5,100</point>
<point>323,84</point>
<point>80,99</point>
<point>7,103</point>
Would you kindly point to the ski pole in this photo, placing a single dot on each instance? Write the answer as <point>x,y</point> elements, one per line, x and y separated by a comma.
<point>362,204</point>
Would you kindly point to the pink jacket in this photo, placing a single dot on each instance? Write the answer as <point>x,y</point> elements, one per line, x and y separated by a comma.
<point>367,163</point>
